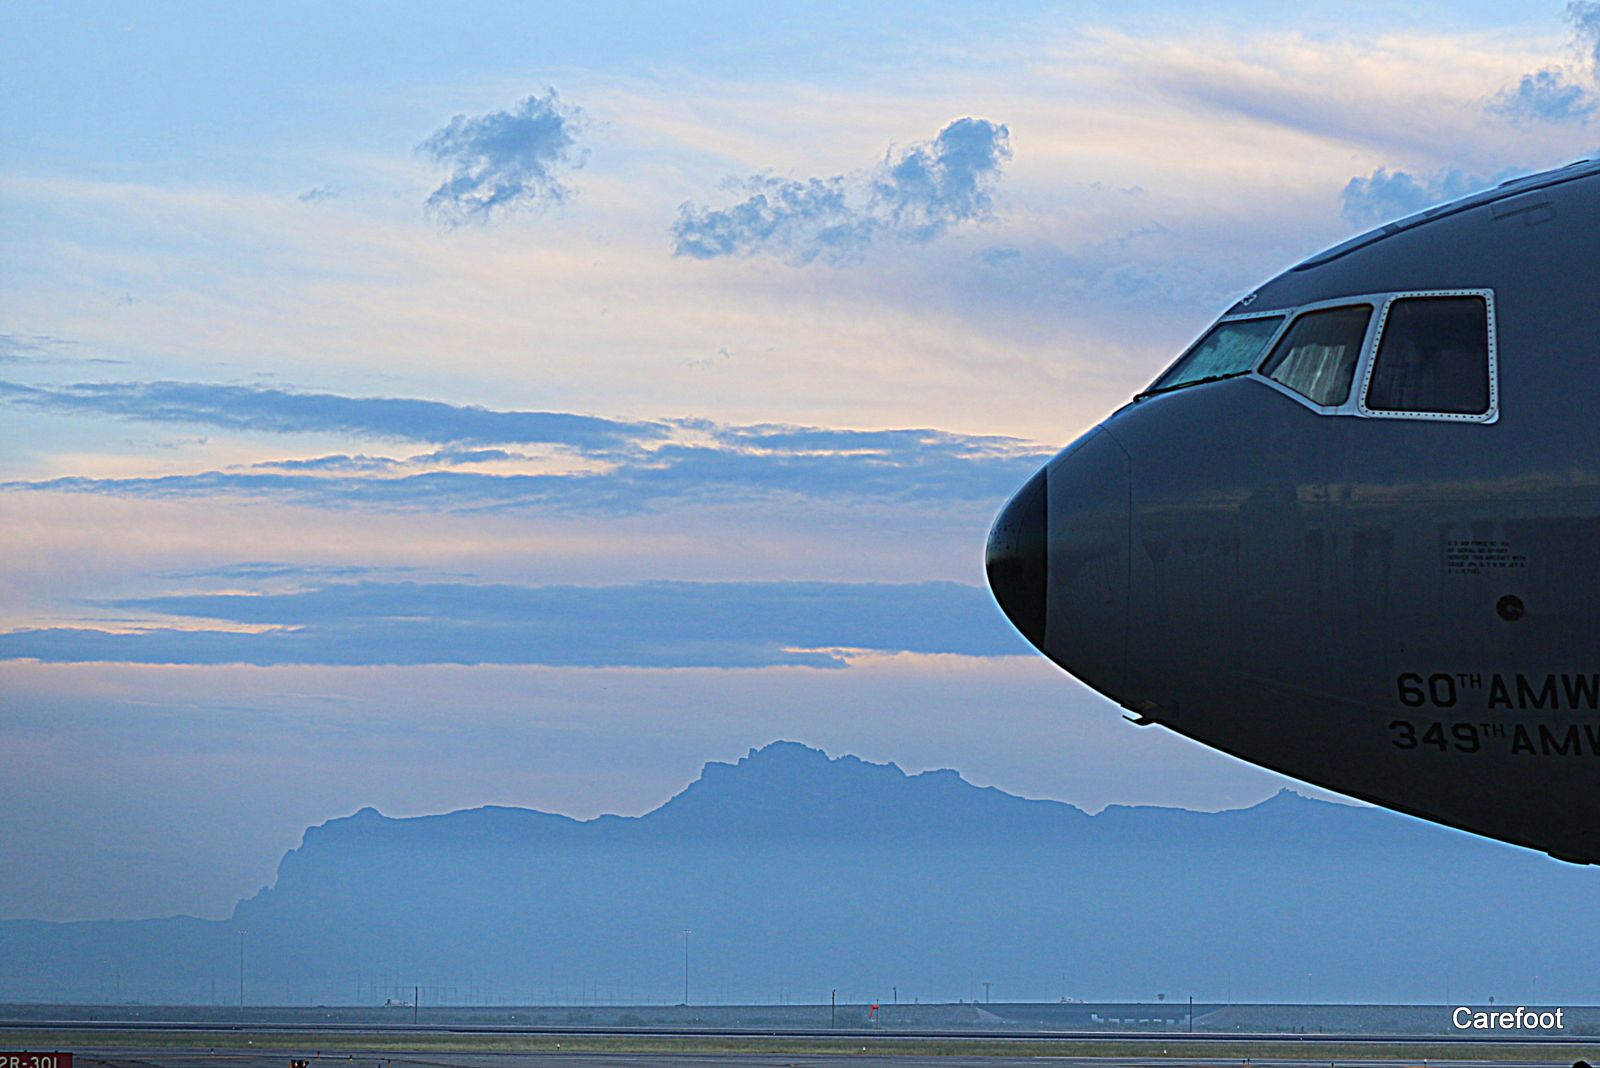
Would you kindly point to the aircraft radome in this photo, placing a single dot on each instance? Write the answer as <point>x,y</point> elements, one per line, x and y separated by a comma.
<point>1353,533</point>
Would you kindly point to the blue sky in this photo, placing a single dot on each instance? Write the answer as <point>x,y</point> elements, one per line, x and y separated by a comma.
<point>428,407</point>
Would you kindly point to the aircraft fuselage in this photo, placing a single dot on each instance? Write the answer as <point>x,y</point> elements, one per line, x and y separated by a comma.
<point>1393,593</point>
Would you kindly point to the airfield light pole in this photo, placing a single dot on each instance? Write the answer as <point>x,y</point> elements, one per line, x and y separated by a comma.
<point>833,1007</point>
<point>686,967</point>
<point>241,969</point>
<point>1191,1013</point>
<point>986,987</point>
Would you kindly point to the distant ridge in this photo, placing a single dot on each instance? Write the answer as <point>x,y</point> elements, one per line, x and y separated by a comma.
<point>801,873</point>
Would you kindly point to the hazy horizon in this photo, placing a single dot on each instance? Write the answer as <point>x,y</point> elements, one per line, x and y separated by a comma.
<point>525,404</point>
<point>798,872</point>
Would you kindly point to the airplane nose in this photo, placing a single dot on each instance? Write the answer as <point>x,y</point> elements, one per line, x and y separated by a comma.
<point>1017,558</point>
<point>1058,560</point>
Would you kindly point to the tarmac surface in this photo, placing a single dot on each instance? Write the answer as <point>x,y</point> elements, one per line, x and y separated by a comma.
<point>246,1058</point>
<point>225,1033</point>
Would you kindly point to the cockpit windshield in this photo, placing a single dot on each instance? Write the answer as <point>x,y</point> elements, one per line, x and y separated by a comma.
<point>1230,348</point>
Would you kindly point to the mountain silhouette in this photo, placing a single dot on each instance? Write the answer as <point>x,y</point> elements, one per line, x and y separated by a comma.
<point>799,874</point>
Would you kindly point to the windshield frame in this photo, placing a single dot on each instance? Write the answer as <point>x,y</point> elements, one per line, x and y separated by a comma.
<point>1284,317</point>
<point>1490,416</point>
<point>1360,370</point>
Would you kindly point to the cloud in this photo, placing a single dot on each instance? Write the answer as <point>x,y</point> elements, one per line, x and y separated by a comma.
<point>1552,94</point>
<point>641,466</point>
<point>454,456</point>
<point>1584,18</point>
<point>911,469</point>
<point>705,364</point>
<point>343,462</point>
<point>337,462</point>
<point>650,624</point>
<point>318,194</point>
<point>994,256</point>
<point>916,196</point>
<point>937,185</point>
<point>1547,95</point>
<point>504,159</point>
<point>44,349</point>
<point>283,411</point>
<point>272,570</point>
<point>27,348</point>
<point>794,220</point>
<point>1385,195</point>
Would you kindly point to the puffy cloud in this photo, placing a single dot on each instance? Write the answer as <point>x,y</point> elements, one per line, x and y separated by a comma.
<point>651,624</point>
<point>1547,95</point>
<point>1552,94</point>
<point>1385,195</point>
<point>933,186</point>
<point>1584,18</point>
<point>504,159</point>
<point>915,195</point>
<point>794,220</point>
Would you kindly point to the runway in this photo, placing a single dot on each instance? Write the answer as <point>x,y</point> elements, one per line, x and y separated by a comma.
<point>238,1044</point>
<point>246,1058</point>
<point>986,1034</point>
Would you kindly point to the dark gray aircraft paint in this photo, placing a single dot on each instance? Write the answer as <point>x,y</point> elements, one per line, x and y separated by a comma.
<point>1353,534</point>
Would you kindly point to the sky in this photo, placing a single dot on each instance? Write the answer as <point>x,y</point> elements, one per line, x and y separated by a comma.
<point>430,406</point>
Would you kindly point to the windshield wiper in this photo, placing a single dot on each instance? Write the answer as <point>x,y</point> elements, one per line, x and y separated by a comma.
<point>1185,385</point>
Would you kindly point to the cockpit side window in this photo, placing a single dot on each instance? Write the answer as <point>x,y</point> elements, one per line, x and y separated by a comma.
<point>1434,357</point>
<point>1317,357</point>
<point>1230,348</point>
